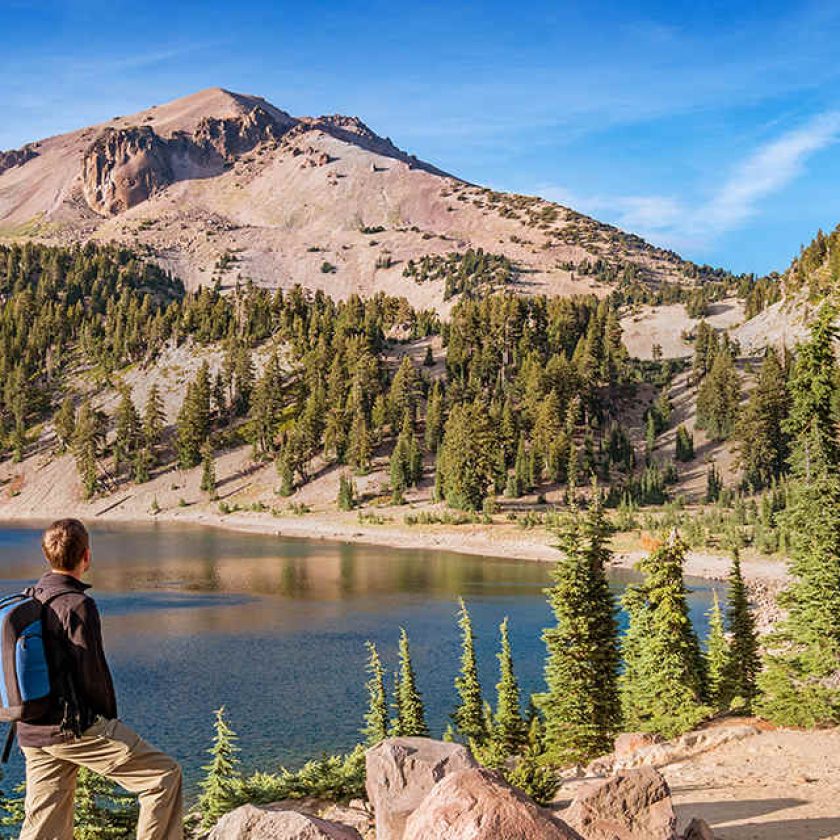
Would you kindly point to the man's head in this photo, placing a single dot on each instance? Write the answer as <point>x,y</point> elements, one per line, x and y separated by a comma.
<point>66,546</point>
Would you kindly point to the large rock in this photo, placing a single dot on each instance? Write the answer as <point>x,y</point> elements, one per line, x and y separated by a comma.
<point>478,804</point>
<point>267,823</point>
<point>401,771</point>
<point>633,805</point>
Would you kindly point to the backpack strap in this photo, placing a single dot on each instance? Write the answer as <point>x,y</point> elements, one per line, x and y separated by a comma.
<point>10,739</point>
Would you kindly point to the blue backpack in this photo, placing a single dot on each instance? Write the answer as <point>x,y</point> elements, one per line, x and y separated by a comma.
<point>25,681</point>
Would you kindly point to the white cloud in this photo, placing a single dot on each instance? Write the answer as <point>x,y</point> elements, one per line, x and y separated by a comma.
<point>678,222</point>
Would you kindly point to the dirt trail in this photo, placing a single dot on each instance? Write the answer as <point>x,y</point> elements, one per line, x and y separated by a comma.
<point>783,785</point>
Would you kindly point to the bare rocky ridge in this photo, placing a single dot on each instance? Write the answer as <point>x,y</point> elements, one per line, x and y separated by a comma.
<point>220,186</point>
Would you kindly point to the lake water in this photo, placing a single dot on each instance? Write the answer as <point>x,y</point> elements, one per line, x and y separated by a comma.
<point>275,629</point>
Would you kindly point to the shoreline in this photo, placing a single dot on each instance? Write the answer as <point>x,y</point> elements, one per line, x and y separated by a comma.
<point>499,540</point>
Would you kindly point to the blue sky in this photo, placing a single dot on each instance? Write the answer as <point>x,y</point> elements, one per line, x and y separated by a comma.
<point>708,127</point>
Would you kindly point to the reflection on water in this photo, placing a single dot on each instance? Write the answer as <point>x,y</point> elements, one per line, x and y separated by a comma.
<point>274,628</point>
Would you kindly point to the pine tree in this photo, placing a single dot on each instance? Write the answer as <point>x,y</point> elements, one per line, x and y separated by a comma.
<point>763,443</point>
<point>411,715</point>
<point>717,399</point>
<point>714,483</point>
<point>87,441</point>
<point>509,728</point>
<point>102,811</point>
<point>684,444</point>
<point>745,662</point>
<point>360,451</point>
<point>468,717</point>
<point>434,418</point>
<point>208,468</point>
<point>346,492</point>
<point>662,682</point>
<point>466,462</point>
<point>193,423</point>
<point>65,423</point>
<point>376,719</point>
<point>128,431</point>
<point>154,420</point>
<point>718,661</point>
<point>812,423</point>
<point>581,705</point>
<point>220,785</point>
<point>798,684</point>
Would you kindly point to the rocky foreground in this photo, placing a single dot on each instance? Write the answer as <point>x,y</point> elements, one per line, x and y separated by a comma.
<point>732,782</point>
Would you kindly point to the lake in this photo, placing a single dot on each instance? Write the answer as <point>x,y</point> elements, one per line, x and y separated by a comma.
<point>275,629</point>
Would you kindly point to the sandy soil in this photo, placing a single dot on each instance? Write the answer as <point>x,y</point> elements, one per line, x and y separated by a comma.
<point>778,785</point>
<point>646,326</point>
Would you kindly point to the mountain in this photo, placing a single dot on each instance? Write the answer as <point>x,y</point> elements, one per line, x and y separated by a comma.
<point>220,186</point>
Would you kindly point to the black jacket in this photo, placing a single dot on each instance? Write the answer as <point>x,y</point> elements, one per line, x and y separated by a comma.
<point>74,650</point>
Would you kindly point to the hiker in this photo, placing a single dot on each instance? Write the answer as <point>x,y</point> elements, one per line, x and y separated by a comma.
<point>81,728</point>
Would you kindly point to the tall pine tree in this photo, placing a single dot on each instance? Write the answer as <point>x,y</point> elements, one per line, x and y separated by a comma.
<point>581,705</point>
<point>468,717</point>
<point>662,682</point>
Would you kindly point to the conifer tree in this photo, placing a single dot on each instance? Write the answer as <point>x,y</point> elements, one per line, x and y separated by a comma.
<point>285,471</point>
<point>468,717</point>
<point>346,493</point>
<point>509,728</point>
<point>154,419</point>
<point>208,468</point>
<point>128,431</point>
<point>684,444</point>
<point>102,811</point>
<point>718,661</point>
<point>193,424</point>
<point>87,440</point>
<point>434,418</point>
<point>798,684</point>
<point>744,659</point>
<point>376,719</point>
<point>717,399</point>
<point>360,451</point>
<point>762,440</point>
<point>466,460</point>
<point>581,705</point>
<point>220,785</point>
<point>411,715</point>
<point>662,682</point>
<point>65,423</point>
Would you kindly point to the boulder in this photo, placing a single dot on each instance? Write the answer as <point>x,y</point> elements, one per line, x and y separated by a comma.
<point>698,829</point>
<point>401,771</point>
<point>250,822</point>
<point>633,805</point>
<point>478,804</point>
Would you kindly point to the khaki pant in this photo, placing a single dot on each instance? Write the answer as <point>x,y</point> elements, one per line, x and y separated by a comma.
<point>115,751</point>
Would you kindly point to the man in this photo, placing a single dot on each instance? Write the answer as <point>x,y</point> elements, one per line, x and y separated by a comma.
<point>81,729</point>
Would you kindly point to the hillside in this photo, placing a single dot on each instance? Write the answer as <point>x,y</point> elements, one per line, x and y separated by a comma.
<point>220,186</point>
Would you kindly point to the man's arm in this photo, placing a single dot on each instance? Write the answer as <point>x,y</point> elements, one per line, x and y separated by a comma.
<point>93,676</point>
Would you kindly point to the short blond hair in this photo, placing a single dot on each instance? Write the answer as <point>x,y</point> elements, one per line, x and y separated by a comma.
<point>64,544</point>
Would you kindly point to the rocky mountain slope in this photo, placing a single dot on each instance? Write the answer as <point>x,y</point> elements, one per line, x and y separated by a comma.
<point>223,187</point>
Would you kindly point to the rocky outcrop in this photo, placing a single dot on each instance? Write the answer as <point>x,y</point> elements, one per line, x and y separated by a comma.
<point>123,167</point>
<point>478,804</point>
<point>400,773</point>
<point>679,749</point>
<point>250,822</point>
<point>633,805</point>
<point>16,157</point>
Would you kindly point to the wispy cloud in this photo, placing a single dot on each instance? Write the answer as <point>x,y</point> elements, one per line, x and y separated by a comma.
<point>679,222</point>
